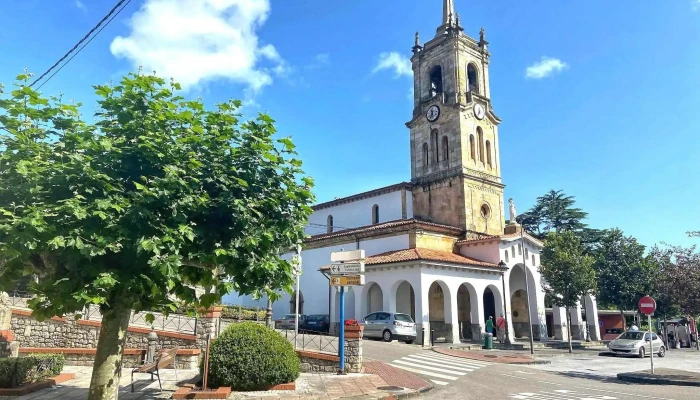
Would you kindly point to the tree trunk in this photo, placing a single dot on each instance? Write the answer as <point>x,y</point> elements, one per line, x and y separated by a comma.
<point>110,347</point>
<point>568,327</point>
<point>624,321</point>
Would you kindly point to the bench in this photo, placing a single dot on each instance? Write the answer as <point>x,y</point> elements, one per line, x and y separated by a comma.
<point>163,360</point>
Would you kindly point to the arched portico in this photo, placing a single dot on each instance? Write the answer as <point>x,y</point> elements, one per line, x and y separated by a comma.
<point>374,298</point>
<point>521,281</point>
<point>468,311</point>
<point>405,298</point>
<point>440,311</point>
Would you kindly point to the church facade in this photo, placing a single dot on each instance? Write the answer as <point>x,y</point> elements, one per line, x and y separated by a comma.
<point>438,247</point>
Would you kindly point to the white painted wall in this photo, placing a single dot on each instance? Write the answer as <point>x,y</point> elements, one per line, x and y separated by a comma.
<point>358,213</point>
<point>488,252</point>
<point>314,285</point>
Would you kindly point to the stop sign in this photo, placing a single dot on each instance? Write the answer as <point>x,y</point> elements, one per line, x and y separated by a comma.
<point>647,305</point>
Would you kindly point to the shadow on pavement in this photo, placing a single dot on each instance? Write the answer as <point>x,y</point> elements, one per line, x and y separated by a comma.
<point>592,377</point>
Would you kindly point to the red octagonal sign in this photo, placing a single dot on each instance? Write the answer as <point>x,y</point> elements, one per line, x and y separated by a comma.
<point>647,305</point>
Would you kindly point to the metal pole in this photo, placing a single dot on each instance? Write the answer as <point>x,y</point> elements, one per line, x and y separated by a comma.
<point>296,302</point>
<point>651,346</point>
<point>505,308</point>
<point>527,292</point>
<point>341,335</point>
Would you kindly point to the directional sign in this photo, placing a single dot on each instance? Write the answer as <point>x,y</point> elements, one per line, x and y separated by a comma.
<point>647,305</point>
<point>354,255</point>
<point>348,268</point>
<point>348,280</point>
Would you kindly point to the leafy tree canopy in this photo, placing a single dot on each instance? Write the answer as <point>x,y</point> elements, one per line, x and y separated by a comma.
<point>677,280</point>
<point>158,195</point>
<point>568,272</point>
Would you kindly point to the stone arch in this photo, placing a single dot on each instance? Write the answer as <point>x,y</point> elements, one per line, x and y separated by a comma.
<point>467,310</point>
<point>405,297</point>
<point>519,287</point>
<point>373,297</point>
<point>349,304</point>
<point>472,78</point>
<point>493,303</point>
<point>435,80</point>
<point>439,309</point>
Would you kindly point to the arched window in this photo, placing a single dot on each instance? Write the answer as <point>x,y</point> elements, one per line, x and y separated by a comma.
<point>472,147</point>
<point>435,81</point>
<point>526,254</point>
<point>480,137</point>
<point>520,249</point>
<point>534,263</point>
<point>329,224</point>
<point>434,143</point>
<point>425,154</point>
<point>506,255</point>
<point>472,79</point>
<point>512,251</point>
<point>488,154</point>
<point>445,145</point>
<point>375,214</point>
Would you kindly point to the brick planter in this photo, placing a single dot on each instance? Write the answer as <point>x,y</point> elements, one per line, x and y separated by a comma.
<point>354,331</point>
<point>189,392</point>
<point>33,387</point>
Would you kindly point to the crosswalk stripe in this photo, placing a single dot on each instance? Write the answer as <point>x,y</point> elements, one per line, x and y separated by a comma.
<point>430,368</point>
<point>456,360</point>
<point>449,357</point>
<point>418,360</point>
<point>421,372</point>
<point>445,363</point>
<point>437,382</point>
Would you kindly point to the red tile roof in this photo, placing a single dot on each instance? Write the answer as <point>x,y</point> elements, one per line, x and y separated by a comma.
<point>386,225</point>
<point>404,255</point>
<point>501,237</point>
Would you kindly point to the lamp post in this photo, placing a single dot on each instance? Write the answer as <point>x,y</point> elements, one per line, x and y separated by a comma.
<point>503,267</point>
<point>527,291</point>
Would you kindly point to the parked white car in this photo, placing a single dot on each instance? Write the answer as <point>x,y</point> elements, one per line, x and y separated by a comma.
<point>637,343</point>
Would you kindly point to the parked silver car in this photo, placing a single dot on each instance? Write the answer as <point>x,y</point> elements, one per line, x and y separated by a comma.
<point>390,326</point>
<point>287,322</point>
<point>637,343</point>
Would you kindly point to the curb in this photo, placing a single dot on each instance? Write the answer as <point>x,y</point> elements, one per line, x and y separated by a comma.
<point>533,362</point>
<point>645,379</point>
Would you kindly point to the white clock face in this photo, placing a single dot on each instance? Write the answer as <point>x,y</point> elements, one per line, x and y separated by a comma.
<point>433,113</point>
<point>479,111</point>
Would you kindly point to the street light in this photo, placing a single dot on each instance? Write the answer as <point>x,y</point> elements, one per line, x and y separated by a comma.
<point>504,267</point>
<point>527,291</point>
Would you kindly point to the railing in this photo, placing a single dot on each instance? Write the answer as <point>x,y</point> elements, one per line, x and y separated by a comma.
<point>19,298</point>
<point>312,341</point>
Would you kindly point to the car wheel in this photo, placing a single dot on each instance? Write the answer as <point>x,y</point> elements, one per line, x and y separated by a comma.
<point>662,351</point>
<point>641,352</point>
<point>387,336</point>
<point>411,342</point>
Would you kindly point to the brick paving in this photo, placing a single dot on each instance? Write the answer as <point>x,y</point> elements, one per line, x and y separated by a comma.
<point>500,357</point>
<point>396,377</point>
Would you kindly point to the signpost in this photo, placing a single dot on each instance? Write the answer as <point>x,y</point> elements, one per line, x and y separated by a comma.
<point>647,306</point>
<point>346,270</point>
<point>297,272</point>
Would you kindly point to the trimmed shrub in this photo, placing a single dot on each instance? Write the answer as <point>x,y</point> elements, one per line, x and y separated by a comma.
<point>249,356</point>
<point>243,313</point>
<point>21,371</point>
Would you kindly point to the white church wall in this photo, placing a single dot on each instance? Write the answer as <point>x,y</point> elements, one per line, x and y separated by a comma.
<point>314,285</point>
<point>358,213</point>
<point>488,252</point>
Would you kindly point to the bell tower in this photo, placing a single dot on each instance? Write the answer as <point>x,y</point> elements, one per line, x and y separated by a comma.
<point>455,165</point>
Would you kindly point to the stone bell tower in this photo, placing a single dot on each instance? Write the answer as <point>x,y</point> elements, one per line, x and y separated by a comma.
<point>455,164</point>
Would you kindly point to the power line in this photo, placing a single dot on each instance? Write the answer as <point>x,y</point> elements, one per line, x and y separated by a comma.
<point>112,11</point>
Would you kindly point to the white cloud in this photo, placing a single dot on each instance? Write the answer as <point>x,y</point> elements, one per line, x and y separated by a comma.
<point>401,65</point>
<point>547,66</point>
<point>80,5</point>
<point>695,5</point>
<point>320,61</point>
<point>199,41</point>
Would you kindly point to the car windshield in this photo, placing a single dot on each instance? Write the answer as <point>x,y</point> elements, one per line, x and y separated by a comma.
<point>403,318</point>
<point>316,317</point>
<point>631,336</point>
<point>288,316</point>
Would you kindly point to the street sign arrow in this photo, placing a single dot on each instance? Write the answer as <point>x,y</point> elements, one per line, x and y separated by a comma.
<point>348,280</point>
<point>353,255</point>
<point>347,268</point>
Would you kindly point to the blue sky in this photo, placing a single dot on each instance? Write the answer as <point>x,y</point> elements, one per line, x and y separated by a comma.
<point>613,120</point>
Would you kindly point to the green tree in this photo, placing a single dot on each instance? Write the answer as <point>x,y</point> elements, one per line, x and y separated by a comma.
<point>624,273</point>
<point>158,196</point>
<point>567,271</point>
<point>555,212</point>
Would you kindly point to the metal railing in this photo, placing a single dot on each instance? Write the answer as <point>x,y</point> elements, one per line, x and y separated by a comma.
<point>312,341</point>
<point>19,298</point>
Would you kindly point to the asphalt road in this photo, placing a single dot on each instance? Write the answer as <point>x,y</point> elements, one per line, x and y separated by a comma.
<point>582,376</point>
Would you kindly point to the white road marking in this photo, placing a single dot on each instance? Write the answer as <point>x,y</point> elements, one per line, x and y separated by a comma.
<point>550,383</point>
<point>417,360</point>
<point>516,377</point>
<point>523,372</point>
<point>622,393</point>
<point>429,368</point>
<point>421,372</point>
<point>437,382</point>
<point>456,360</point>
<point>449,361</point>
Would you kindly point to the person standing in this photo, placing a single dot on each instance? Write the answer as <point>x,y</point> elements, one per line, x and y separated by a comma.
<point>489,325</point>
<point>501,329</point>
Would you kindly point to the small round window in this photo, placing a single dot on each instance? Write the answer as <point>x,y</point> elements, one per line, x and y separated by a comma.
<point>515,314</point>
<point>485,211</point>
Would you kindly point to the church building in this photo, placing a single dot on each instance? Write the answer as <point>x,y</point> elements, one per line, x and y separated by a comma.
<point>438,247</point>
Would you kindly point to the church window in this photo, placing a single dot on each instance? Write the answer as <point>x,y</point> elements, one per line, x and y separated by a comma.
<point>485,211</point>
<point>445,153</point>
<point>512,251</point>
<point>329,224</point>
<point>425,154</point>
<point>520,249</point>
<point>434,143</point>
<point>480,136</point>
<point>534,263</point>
<point>472,78</point>
<point>526,253</point>
<point>488,154</point>
<point>435,81</point>
<point>506,255</point>
<point>375,214</point>
<point>472,147</point>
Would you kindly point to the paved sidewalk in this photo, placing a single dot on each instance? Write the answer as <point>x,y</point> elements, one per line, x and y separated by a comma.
<point>493,356</point>
<point>77,389</point>
<point>662,376</point>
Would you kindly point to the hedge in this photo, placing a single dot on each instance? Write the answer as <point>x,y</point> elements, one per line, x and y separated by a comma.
<point>19,371</point>
<point>243,313</point>
<point>249,356</point>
